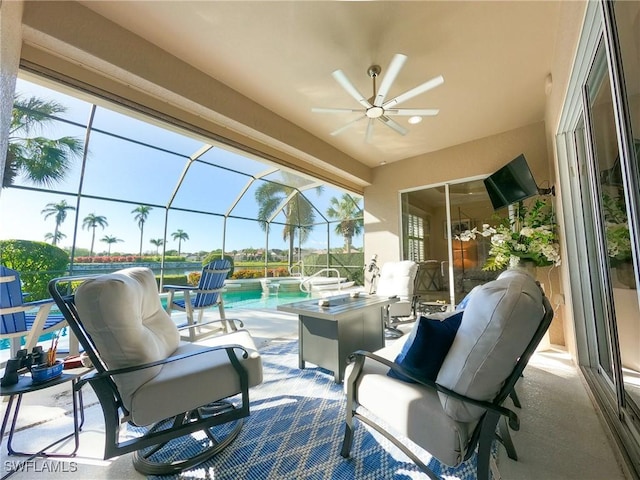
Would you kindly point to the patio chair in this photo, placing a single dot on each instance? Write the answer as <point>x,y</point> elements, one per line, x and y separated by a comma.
<point>207,294</point>
<point>18,318</point>
<point>443,388</point>
<point>175,395</point>
<point>396,279</point>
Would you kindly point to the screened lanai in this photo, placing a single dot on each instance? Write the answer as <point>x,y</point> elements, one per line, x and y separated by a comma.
<point>143,190</point>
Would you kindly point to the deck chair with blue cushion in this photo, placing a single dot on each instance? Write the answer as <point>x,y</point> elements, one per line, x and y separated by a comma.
<point>207,294</point>
<point>20,319</point>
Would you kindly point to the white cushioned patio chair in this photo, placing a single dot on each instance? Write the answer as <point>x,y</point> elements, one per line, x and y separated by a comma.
<point>452,405</point>
<point>397,279</point>
<point>146,376</point>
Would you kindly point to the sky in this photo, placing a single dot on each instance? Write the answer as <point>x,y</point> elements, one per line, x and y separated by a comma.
<point>137,173</point>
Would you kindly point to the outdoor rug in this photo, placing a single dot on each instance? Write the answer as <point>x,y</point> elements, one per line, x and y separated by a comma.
<point>295,432</point>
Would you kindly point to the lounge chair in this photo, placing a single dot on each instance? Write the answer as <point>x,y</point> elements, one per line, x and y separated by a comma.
<point>443,386</point>
<point>145,376</point>
<point>207,294</point>
<point>19,319</point>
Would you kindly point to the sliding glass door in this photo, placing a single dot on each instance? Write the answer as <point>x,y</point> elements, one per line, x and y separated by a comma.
<point>600,145</point>
<point>433,218</point>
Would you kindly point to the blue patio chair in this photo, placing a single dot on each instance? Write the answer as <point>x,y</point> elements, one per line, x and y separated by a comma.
<point>206,294</point>
<point>20,319</point>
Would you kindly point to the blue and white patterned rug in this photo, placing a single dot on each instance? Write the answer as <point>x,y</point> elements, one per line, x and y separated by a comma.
<point>295,432</point>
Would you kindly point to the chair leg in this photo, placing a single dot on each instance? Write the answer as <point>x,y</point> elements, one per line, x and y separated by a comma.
<point>485,442</point>
<point>505,439</point>
<point>515,399</point>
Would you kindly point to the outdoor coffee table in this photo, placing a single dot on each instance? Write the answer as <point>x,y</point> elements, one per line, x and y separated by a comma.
<point>329,333</point>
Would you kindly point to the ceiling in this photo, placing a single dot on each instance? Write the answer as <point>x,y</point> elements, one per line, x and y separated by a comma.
<point>494,56</point>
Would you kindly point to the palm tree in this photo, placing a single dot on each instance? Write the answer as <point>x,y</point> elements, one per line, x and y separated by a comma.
<point>92,221</point>
<point>54,237</point>
<point>142,212</point>
<point>60,211</point>
<point>346,210</point>
<point>158,242</point>
<point>109,240</point>
<point>299,213</point>
<point>43,161</point>
<point>180,236</point>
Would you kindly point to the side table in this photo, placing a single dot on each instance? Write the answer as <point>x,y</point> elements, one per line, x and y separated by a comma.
<point>25,385</point>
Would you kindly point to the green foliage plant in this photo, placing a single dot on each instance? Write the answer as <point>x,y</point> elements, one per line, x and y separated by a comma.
<point>37,263</point>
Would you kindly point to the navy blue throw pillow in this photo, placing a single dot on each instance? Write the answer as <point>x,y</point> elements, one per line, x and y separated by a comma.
<point>427,346</point>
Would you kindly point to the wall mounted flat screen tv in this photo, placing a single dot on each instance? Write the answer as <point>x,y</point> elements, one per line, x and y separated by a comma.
<point>512,183</point>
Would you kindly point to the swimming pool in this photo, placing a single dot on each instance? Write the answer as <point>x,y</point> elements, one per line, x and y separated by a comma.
<point>255,299</point>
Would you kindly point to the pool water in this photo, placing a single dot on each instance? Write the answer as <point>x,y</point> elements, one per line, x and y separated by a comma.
<point>232,300</point>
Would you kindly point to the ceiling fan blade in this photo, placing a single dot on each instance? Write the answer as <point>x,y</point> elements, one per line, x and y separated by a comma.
<point>335,110</point>
<point>394,125</point>
<point>408,112</point>
<point>345,83</point>
<point>392,72</point>
<point>426,86</point>
<point>348,125</point>
<point>369,134</point>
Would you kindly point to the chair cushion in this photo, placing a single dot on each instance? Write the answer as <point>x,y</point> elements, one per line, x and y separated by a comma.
<point>124,317</point>
<point>410,409</point>
<point>499,322</point>
<point>427,346</point>
<point>195,381</point>
<point>397,278</point>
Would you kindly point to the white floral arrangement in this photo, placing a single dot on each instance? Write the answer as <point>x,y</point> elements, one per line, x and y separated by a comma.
<point>530,237</point>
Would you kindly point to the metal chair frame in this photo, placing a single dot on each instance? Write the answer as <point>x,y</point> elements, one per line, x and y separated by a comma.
<point>485,431</point>
<point>115,414</point>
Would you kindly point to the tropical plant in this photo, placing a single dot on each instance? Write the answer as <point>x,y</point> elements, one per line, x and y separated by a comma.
<point>41,160</point>
<point>54,237</point>
<point>298,211</point>
<point>141,214</point>
<point>530,235</point>
<point>110,240</point>
<point>617,229</point>
<point>37,262</point>
<point>347,211</point>
<point>181,236</point>
<point>59,211</point>
<point>92,221</point>
<point>158,242</point>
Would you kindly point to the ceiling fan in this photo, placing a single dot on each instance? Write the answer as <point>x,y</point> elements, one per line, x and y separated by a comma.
<point>376,107</point>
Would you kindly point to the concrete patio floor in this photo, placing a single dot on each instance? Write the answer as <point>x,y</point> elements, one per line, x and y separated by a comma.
<point>562,436</point>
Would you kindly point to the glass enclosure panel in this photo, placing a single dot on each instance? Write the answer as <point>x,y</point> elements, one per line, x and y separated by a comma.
<point>233,161</point>
<point>204,233</point>
<point>207,188</point>
<point>132,200</point>
<point>53,130</point>
<point>160,137</point>
<point>627,16</point>
<point>129,171</point>
<point>613,213</point>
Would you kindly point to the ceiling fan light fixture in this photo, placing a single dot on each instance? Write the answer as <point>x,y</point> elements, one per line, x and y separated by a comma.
<point>377,107</point>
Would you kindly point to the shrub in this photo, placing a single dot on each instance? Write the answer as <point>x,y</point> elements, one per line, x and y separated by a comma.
<point>37,263</point>
<point>178,279</point>
<point>193,278</point>
<point>216,256</point>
